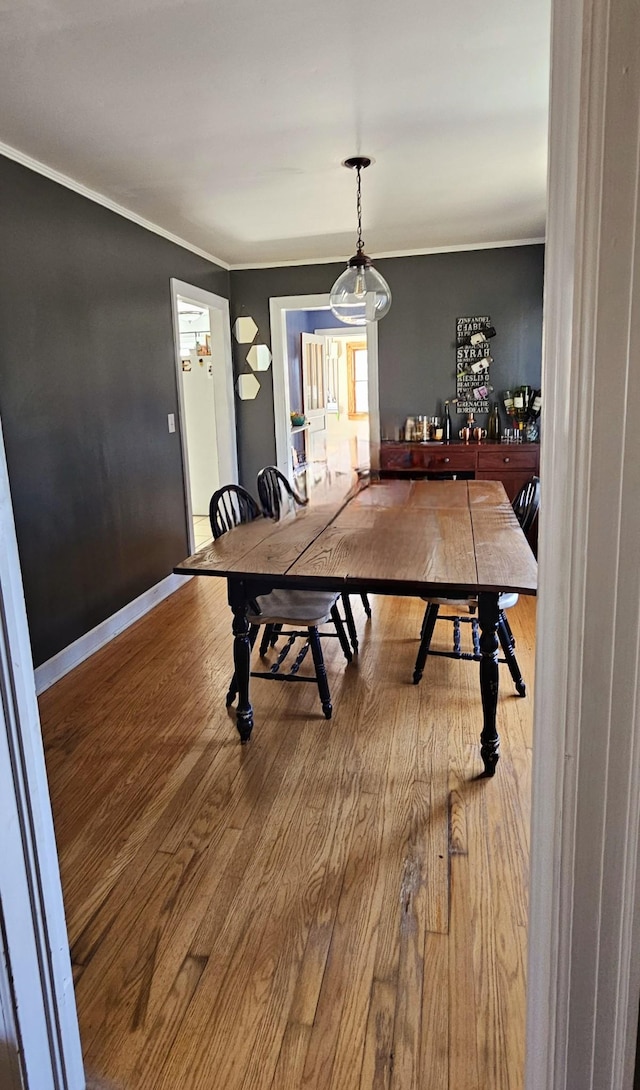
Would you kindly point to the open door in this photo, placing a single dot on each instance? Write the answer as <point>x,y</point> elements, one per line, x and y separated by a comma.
<point>314,397</point>
<point>206,400</point>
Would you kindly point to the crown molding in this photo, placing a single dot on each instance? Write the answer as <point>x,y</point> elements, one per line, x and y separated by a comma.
<point>421,252</point>
<point>99,198</point>
<point>53,175</point>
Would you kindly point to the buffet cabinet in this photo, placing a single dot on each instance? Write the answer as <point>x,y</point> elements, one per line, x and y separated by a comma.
<point>513,464</point>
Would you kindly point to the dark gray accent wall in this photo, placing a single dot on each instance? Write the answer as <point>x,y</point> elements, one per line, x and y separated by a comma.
<point>87,378</point>
<point>416,340</point>
<point>417,337</point>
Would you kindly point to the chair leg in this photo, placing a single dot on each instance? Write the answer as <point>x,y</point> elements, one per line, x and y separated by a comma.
<point>509,632</point>
<point>233,684</point>
<point>321,673</point>
<point>277,629</point>
<point>507,650</point>
<point>342,635</point>
<point>428,625</point>
<point>351,624</point>
<point>266,639</point>
<point>367,607</point>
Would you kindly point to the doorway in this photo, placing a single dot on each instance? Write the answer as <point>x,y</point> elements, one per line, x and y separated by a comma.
<point>204,376</point>
<point>330,369</point>
<point>347,442</point>
<point>349,429</point>
<point>361,444</point>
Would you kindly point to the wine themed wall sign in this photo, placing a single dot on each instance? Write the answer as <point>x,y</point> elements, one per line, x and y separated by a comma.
<point>473,360</point>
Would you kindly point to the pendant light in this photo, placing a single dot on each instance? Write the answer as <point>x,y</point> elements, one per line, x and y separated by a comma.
<point>360,294</point>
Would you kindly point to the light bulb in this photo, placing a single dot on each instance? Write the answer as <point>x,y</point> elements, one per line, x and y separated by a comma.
<point>360,294</point>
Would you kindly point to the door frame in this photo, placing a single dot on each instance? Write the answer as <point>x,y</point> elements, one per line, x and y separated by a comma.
<point>35,945</point>
<point>278,307</point>
<point>223,393</point>
<point>584,919</point>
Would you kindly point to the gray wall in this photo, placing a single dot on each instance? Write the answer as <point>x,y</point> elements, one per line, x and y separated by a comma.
<point>251,290</point>
<point>417,338</point>
<point>87,378</point>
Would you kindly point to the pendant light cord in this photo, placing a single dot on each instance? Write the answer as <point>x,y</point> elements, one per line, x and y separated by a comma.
<point>360,244</point>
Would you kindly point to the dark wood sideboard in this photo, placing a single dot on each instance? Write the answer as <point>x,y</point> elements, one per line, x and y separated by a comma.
<point>513,464</point>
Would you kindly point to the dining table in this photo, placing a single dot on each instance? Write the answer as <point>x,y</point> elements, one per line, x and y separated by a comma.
<point>451,539</point>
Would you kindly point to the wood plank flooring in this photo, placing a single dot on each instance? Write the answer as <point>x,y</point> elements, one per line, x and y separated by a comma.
<point>337,904</point>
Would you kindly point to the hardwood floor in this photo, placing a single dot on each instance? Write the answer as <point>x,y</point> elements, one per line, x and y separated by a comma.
<point>337,904</point>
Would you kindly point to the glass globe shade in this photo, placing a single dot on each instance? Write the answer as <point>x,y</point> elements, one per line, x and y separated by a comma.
<point>360,295</point>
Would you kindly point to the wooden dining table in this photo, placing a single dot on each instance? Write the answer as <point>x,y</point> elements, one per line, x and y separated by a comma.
<point>446,539</point>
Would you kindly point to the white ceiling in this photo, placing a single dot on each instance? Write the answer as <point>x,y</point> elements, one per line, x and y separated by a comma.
<point>225,122</point>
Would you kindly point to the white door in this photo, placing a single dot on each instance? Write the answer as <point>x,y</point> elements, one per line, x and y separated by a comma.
<point>314,395</point>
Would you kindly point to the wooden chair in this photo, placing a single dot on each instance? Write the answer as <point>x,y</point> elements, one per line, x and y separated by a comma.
<point>304,611</point>
<point>525,506</point>
<point>275,493</point>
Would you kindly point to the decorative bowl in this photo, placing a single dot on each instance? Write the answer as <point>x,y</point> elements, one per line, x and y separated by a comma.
<point>297,420</point>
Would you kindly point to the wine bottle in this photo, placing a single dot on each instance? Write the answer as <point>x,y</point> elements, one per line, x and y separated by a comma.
<point>477,338</point>
<point>446,430</point>
<point>518,400</point>
<point>493,427</point>
<point>535,405</point>
<point>507,399</point>
<point>478,365</point>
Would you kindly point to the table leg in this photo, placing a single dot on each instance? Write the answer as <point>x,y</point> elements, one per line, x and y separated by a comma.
<point>488,616</point>
<point>239,603</point>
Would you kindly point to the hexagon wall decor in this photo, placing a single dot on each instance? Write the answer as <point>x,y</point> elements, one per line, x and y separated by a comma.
<point>259,357</point>
<point>244,330</point>
<point>248,387</point>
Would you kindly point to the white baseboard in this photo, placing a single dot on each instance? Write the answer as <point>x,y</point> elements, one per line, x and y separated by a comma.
<point>55,668</point>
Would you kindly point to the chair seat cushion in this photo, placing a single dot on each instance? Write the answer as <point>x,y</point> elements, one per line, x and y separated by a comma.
<point>458,605</point>
<point>297,607</point>
<point>470,605</point>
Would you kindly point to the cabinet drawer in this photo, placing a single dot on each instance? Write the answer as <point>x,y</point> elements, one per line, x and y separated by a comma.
<point>395,457</point>
<point>447,459</point>
<point>508,457</point>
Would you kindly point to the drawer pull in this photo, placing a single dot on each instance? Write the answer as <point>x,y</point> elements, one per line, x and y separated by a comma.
<point>506,459</point>
<point>446,460</point>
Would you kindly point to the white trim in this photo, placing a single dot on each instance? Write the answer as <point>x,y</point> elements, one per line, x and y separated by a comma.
<point>346,332</point>
<point>85,646</point>
<point>460,248</point>
<point>223,394</point>
<point>278,307</point>
<point>99,198</point>
<point>10,1064</point>
<point>37,945</point>
<point>280,379</point>
<point>584,972</point>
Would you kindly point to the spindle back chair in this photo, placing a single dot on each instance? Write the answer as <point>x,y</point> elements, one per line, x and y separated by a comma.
<point>275,491</point>
<point>525,506</point>
<point>304,611</point>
